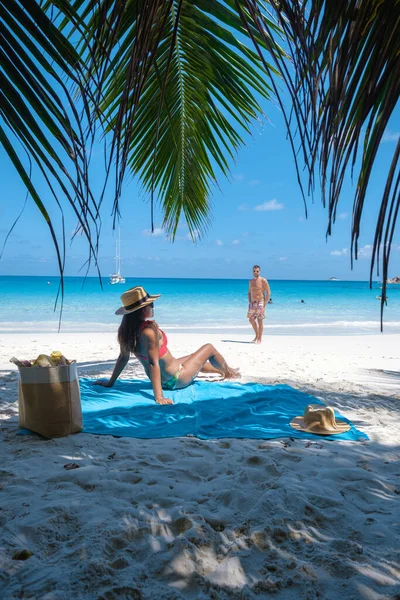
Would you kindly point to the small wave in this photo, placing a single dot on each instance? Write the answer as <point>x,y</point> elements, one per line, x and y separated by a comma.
<point>52,327</point>
<point>337,324</point>
<point>305,325</point>
<point>287,328</point>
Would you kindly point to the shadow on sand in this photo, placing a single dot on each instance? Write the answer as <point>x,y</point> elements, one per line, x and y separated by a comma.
<point>227,519</point>
<point>237,342</point>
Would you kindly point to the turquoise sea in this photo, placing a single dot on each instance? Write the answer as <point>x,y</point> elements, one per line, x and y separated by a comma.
<point>200,305</point>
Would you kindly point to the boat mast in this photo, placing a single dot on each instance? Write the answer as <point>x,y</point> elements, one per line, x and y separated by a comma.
<point>117,252</point>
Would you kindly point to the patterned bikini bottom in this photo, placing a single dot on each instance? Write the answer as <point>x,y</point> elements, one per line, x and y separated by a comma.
<point>172,383</point>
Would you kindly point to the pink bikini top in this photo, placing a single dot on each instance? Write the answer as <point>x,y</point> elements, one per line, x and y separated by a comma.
<point>163,348</point>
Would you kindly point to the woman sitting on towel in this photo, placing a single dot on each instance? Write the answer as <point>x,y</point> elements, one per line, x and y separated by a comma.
<point>139,335</point>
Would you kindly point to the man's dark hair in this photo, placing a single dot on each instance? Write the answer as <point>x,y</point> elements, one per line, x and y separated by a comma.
<point>257,267</point>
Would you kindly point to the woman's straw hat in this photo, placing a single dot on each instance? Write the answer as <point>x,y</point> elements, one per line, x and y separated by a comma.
<point>134,299</point>
<point>319,420</point>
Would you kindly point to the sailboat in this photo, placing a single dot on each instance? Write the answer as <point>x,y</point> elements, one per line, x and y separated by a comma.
<point>117,277</point>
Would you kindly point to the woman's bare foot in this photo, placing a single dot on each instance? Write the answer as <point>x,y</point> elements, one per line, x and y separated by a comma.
<point>232,373</point>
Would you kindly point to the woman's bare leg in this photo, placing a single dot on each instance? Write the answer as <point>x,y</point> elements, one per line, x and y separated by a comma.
<point>183,359</point>
<point>209,369</point>
<point>206,368</point>
<point>197,361</point>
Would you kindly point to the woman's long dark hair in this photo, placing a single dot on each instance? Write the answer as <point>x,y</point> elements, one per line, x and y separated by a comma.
<point>129,331</point>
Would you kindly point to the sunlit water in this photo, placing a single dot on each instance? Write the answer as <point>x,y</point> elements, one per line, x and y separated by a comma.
<point>201,305</point>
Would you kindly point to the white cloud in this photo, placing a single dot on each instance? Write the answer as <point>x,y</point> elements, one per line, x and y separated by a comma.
<point>270,205</point>
<point>220,243</point>
<point>390,136</point>
<point>242,207</point>
<point>300,219</point>
<point>238,177</point>
<point>283,258</point>
<point>365,251</point>
<point>156,233</point>
<point>343,215</point>
<point>235,242</point>
<point>342,252</point>
<point>193,236</point>
<point>254,182</point>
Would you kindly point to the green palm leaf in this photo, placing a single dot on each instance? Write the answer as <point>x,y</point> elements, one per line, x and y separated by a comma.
<point>38,111</point>
<point>345,87</point>
<point>177,101</point>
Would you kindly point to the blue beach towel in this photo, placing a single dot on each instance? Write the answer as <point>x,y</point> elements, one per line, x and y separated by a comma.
<point>204,409</point>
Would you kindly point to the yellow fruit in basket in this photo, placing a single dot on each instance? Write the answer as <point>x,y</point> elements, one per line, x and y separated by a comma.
<point>58,358</point>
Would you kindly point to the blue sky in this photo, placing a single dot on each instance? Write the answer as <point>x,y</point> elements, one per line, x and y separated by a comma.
<point>257,216</point>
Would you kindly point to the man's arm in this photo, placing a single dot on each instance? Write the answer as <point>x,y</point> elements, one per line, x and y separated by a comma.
<point>267,292</point>
<point>249,292</point>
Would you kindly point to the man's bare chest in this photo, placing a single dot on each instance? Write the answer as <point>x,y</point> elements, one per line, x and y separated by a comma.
<point>256,285</point>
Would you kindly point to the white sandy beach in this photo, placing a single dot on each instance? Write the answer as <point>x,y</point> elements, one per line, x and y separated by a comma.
<point>185,518</point>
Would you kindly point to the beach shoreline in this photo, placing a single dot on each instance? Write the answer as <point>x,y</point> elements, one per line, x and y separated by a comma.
<point>332,329</point>
<point>224,519</point>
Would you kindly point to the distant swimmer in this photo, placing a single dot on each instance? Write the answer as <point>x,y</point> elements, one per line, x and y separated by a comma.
<point>270,301</point>
<point>302,302</point>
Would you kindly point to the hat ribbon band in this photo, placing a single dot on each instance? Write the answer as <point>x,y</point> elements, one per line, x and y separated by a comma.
<point>137,303</point>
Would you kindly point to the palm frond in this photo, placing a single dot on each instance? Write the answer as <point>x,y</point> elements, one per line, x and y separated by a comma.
<point>177,89</point>
<point>345,85</point>
<point>38,111</point>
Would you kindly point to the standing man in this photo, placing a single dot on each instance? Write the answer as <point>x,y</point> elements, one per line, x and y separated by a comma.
<point>259,295</point>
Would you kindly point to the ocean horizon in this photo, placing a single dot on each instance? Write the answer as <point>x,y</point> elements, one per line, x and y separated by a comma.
<point>200,305</point>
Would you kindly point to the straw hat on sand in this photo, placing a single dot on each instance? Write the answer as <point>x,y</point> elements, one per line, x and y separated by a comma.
<point>319,420</point>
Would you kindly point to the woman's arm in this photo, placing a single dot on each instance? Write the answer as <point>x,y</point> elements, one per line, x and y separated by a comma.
<point>150,339</point>
<point>120,365</point>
